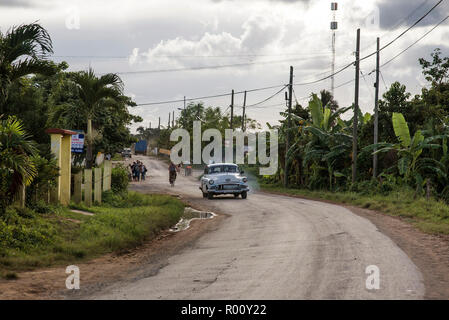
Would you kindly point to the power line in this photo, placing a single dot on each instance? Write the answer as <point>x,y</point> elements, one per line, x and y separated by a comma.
<point>344,83</point>
<point>383,80</point>
<point>399,23</point>
<point>314,54</point>
<point>404,32</point>
<point>366,83</point>
<point>266,99</point>
<point>373,53</point>
<point>215,67</point>
<point>415,42</point>
<point>210,97</point>
<point>270,106</point>
<point>303,83</point>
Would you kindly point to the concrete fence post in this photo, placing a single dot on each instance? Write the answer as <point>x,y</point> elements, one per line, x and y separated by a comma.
<point>77,192</point>
<point>97,186</point>
<point>107,175</point>
<point>88,187</point>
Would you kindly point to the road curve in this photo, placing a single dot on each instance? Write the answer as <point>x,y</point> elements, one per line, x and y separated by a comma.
<point>274,247</point>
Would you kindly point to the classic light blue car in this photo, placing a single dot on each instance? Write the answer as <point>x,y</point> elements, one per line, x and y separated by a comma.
<point>223,178</point>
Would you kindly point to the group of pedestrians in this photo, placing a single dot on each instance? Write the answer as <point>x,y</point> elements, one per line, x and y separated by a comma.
<point>138,170</point>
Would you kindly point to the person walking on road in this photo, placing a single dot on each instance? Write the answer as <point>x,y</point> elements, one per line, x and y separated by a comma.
<point>143,172</point>
<point>172,171</point>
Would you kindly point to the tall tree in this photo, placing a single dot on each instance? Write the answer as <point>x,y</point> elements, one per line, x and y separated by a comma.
<point>93,91</point>
<point>16,165</point>
<point>23,51</point>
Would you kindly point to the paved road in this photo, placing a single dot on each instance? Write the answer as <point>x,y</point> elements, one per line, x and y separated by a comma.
<point>275,247</point>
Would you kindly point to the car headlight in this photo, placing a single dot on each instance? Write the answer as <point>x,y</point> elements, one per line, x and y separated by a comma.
<point>244,180</point>
<point>211,181</point>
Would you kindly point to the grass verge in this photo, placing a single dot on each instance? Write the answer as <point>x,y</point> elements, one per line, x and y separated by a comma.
<point>30,240</point>
<point>430,216</point>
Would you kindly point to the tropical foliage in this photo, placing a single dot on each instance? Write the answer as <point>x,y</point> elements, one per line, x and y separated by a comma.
<point>16,165</point>
<point>37,94</point>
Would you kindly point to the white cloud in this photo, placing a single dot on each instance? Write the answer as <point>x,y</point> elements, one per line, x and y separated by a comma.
<point>159,34</point>
<point>133,57</point>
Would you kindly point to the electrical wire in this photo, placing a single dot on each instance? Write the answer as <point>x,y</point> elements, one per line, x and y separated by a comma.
<point>266,99</point>
<point>307,82</point>
<point>314,54</point>
<point>403,32</point>
<point>213,67</point>
<point>399,23</point>
<point>210,97</point>
<point>415,42</point>
<point>383,80</point>
<point>373,53</point>
<point>366,83</point>
<point>344,84</point>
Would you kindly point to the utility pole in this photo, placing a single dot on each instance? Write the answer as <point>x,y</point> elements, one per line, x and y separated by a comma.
<point>243,115</point>
<point>150,124</point>
<point>356,109</point>
<point>376,110</point>
<point>184,102</point>
<point>173,120</point>
<point>287,140</point>
<point>159,125</point>
<point>169,120</point>
<point>232,108</point>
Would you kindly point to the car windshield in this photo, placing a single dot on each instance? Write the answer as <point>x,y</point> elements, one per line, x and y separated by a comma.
<point>223,169</point>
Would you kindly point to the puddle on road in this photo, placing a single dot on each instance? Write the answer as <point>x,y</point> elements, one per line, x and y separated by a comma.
<point>189,215</point>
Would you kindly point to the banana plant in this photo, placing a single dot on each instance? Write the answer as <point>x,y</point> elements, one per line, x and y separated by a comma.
<point>409,150</point>
<point>324,118</point>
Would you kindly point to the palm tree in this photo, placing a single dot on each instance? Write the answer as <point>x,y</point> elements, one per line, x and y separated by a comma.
<point>93,91</point>
<point>23,50</point>
<point>16,165</point>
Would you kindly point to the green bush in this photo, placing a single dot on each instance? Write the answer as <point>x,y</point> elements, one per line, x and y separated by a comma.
<point>29,240</point>
<point>22,229</point>
<point>119,179</point>
<point>40,206</point>
<point>47,173</point>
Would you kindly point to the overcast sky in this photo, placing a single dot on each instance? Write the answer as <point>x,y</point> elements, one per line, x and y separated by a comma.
<point>263,37</point>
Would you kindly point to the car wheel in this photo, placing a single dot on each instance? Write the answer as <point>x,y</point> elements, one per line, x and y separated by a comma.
<point>244,195</point>
<point>204,195</point>
<point>236,195</point>
<point>210,195</point>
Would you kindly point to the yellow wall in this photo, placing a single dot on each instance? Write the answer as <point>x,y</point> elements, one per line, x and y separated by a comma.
<point>66,164</point>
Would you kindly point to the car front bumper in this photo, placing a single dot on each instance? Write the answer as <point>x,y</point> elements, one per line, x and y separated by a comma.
<point>220,189</point>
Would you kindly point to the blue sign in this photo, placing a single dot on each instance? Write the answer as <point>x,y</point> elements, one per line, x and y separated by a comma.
<point>78,142</point>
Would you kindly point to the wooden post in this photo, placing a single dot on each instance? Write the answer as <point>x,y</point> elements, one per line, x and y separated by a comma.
<point>356,109</point>
<point>287,140</point>
<point>232,109</point>
<point>107,175</point>
<point>376,110</point>
<point>77,194</point>
<point>243,114</point>
<point>88,187</point>
<point>97,185</point>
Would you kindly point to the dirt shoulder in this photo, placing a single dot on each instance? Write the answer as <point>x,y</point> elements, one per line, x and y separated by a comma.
<point>49,283</point>
<point>430,253</point>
